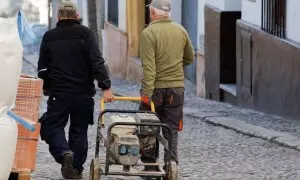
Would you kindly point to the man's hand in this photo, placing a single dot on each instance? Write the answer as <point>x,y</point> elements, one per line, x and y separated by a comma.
<point>146,100</point>
<point>46,92</point>
<point>108,95</point>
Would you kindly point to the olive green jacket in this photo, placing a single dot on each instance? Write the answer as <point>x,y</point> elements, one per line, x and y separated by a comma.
<point>165,48</point>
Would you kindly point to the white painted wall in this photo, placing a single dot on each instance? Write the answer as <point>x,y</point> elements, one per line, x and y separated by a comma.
<point>220,4</point>
<point>122,15</point>
<point>176,11</point>
<point>43,7</point>
<point>233,5</point>
<point>226,5</point>
<point>106,10</point>
<point>223,5</point>
<point>85,13</point>
<point>293,20</point>
<point>201,32</point>
<point>251,11</point>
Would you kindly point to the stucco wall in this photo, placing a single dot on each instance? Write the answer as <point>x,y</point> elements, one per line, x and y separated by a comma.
<point>201,32</point>
<point>251,12</point>
<point>122,15</point>
<point>293,19</point>
<point>226,5</point>
<point>177,11</point>
<point>274,76</point>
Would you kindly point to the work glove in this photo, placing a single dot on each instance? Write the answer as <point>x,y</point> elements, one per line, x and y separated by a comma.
<point>146,100</point>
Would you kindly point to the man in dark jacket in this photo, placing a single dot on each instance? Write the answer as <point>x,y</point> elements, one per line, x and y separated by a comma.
<point>70,61</point>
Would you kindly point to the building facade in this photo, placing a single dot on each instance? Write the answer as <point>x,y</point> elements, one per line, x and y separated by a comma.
<point>268,57</point>
<point>252,52</point>
<point>247,50</point>
<point>220,49</point>
<point>124,22</point>
<point>123,27</point>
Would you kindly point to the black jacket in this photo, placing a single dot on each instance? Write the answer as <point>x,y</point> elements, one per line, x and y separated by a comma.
<point>70,60</point>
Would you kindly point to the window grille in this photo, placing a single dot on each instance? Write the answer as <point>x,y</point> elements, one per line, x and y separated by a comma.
<point>274,17</point>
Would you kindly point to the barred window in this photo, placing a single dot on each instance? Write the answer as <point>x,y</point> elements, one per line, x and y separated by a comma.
<point>274,17</point>
<point>113,12</point>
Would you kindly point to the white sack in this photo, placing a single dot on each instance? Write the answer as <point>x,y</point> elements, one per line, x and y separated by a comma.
<point>8,143</point>
<point>11,52</point>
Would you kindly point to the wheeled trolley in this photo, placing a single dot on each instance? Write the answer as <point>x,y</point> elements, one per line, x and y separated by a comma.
<point>128,135</point>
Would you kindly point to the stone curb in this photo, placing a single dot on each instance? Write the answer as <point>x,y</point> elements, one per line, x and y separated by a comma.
<point>242,127</point>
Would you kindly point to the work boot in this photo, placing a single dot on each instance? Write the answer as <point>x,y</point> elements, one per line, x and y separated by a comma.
<point>151,168</point>
<point>77,174</point>
<point>67,169</point>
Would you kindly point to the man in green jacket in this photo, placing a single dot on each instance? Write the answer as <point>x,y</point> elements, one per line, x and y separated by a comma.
<point>165,49</point>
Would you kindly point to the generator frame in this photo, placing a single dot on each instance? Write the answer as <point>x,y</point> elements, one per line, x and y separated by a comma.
<point>97,168</point>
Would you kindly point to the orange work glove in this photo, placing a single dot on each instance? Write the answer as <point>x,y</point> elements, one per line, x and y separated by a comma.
<point>146,100</point>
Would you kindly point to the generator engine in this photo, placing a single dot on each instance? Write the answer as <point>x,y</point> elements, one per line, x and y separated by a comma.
<point>124,143</point>
<point>147,134</point>
<point>128,142</point>
<point>149,119</point>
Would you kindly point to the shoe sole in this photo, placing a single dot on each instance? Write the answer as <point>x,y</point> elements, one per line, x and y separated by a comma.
<point>68,170</point>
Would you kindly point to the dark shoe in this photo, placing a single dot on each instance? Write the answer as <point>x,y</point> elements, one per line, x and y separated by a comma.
<point>151,168</point>
<point>77,174</point>
<point>67,169</point>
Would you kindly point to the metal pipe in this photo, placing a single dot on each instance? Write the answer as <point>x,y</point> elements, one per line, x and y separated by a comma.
<point>262,14</point>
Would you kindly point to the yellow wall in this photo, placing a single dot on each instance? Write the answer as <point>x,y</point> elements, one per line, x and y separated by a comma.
<point>135,25</point>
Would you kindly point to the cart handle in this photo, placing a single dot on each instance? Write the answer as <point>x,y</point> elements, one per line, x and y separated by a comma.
<point>121,98</point>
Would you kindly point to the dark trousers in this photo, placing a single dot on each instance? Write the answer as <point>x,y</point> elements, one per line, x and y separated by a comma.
<point>169,106</point>
<point>61,107</point>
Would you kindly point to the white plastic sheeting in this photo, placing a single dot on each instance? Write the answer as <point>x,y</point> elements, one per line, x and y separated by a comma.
<point>25,32</point>
<point>8,143</point>
<point>11,52</point>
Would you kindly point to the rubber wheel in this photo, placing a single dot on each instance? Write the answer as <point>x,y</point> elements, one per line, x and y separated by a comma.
<point>152,178</point>
<point>95,170</point>
<point>172,171</point>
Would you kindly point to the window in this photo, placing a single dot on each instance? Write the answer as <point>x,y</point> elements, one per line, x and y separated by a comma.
<point>113,12</point>
<point>147,13</point>
<point>274,17</point>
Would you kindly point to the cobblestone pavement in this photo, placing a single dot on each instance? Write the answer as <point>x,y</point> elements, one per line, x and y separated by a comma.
<point>206,152</point>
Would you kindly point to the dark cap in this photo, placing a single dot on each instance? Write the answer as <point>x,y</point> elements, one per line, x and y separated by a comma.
<point>67,9</point>
<point>164,5</point>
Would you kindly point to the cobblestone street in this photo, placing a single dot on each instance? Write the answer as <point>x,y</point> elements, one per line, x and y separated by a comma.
<point>206,152</point>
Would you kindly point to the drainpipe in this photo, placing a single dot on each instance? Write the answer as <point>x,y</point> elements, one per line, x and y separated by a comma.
<point>49,16</point>
<point>100,7</point>
<point>55,4</point>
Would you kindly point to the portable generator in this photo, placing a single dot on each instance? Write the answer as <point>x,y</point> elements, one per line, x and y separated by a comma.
<point>130,134</point>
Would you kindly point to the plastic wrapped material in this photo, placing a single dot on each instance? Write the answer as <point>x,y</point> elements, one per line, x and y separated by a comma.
<point>26,34</point>
<point>8,142</point>
<point>11,52</point>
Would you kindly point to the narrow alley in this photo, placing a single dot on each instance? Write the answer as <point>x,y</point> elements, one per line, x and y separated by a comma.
<point>238,61</point>
<point>207,152</point>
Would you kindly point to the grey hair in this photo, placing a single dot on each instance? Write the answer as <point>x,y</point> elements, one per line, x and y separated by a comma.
<point>160,12</point>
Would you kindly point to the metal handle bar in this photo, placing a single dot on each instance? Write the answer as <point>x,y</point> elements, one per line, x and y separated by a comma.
<point>119,98</point>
